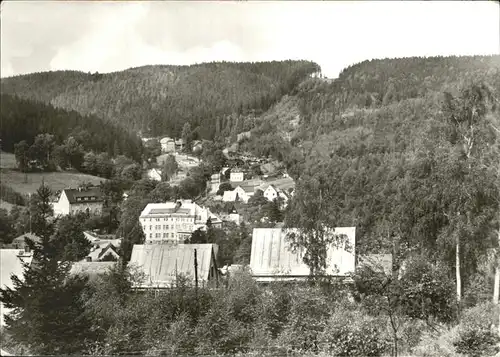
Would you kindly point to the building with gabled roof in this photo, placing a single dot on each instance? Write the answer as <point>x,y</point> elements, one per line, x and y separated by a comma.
<point>154,174</point>
<point>20,242</point>
<point>273,258</point>
<point>163,264</point>
<point>86,200</point>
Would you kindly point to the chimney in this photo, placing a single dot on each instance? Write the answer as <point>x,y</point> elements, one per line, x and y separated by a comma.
<point>177,206</point>
<point>88,259</point>
<point>26,248</point>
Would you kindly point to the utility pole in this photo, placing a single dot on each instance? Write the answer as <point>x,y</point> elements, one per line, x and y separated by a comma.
<point>196,273</point>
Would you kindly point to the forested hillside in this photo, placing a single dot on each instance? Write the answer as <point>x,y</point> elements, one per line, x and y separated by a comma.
<point>24,119</point>
<point>159,100</point>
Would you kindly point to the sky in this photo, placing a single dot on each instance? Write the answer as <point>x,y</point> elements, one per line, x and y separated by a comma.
<point>111,36</point>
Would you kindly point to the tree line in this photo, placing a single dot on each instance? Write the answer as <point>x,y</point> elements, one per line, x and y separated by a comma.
<point>24,120</point>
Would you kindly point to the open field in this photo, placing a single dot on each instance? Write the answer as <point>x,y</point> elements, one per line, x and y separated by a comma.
<point>55,180</point>
<point>7,161</point>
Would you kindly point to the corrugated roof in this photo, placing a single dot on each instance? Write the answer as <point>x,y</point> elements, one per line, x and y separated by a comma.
<point>272,255</point>
<point>161,263</point>
<point>73,194</point>
<point>378,262</point>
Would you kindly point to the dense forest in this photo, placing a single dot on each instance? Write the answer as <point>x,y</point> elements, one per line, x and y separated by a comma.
<point>156,100</point>
<point>24,119</point>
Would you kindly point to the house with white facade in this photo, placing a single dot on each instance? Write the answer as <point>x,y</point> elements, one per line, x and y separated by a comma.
<point>154,174</point>
<point>215,181</point>
<point>80,200</point>
<point>237,176</point>
<point>167,144</point>
<point>174,221</point>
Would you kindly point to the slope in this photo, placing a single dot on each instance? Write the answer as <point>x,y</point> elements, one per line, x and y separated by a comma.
<point>158,100</point>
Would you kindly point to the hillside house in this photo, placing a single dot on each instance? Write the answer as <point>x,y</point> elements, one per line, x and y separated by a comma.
<point>231,216</point>
<point>106,250</point>
<point>20,242</point>
<point>154,174</point>
<point>11,263</point>
<point>244,135</point>
<point>215,181</point>
<point>241,193</point>
<point>167,144</point>
<point>174,221</point>
<point>273,259</point>
<point>71,201</point>
<point>237,176</point>
<point>163,264</point>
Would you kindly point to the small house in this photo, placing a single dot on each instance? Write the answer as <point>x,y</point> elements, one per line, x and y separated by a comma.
<point>237,176</point>
<point>167,144</point>
<point>20,242</point>
<point>154,174</point>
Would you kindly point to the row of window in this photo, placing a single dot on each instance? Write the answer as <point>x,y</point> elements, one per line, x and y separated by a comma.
<point>173,219</point>
<point>87,198</point>
<point>165,235</point>
<point>168,227</point>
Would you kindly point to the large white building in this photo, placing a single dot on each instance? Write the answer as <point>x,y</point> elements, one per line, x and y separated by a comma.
<point>174,221</point>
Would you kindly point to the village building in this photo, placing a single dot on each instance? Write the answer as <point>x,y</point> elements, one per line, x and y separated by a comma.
<point>241,193</point>
<point>215,181</point>
<point>104,250</point>
<point>20,242</point>
<point>81,200</point>
<point>167,144</point>
<point>274,259</point>
<point>11,263</point>
<point>154,174</point>
<point>175,221</point>
<point>165,264</point>
<point>237,176</point>
<point>231,216</point>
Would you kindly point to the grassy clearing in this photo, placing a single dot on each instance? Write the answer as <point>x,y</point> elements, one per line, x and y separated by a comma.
<point>55,180</point>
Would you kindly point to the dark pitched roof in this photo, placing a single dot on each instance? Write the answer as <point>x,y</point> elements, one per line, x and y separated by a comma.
<point>93,194</point>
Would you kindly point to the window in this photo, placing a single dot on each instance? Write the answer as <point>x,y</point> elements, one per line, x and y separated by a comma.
<point>150,227</point>
<point>165,235</point>
<point>150,235</point>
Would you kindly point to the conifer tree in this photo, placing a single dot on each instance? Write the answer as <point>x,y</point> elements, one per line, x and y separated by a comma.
<point>48,314</point>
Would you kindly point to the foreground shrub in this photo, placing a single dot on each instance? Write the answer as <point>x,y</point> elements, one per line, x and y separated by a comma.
<point>354,333</point>
<point>309,314</point>
<point>476,337</point>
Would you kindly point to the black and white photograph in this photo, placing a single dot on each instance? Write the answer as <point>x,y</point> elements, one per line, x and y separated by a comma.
<point>250,178</point>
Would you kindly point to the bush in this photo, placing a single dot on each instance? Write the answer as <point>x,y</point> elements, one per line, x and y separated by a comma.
<point>308,317</point>
<point>476,335</point>
<point>354,333</point>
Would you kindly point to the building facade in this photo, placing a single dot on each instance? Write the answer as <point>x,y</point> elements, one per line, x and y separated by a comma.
<point>174,221</point>
<point>80,200</point>
<point>237,176</point>
<point>167,144</point>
